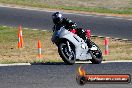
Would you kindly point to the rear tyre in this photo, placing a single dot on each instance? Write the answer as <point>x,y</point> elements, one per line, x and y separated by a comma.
<point>67,57</point>
<point>96,55</point>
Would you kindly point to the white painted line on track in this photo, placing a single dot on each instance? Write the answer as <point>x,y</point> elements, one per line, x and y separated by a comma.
<point>87,62</point>
<point>15,64</point>
<point>101,36</point>
<point>109,17</point>
<point>26,28</point>
<point>125,39</point>
<point>118,18</point>
<point>117,38</point>
<point>44,30</point>
<point>117,61</point>
<point>111,37</point>
<point>129,19</point>
<point>34,29</point>
<point>77,62</point>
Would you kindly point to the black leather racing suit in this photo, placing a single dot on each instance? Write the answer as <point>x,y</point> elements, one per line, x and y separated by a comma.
<point>68,24</point>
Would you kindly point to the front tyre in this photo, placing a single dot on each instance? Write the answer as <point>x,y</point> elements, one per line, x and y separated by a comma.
<point>67,57</point>
<point>96,55</point>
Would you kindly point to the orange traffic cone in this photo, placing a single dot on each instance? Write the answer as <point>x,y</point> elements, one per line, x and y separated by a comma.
<point>39,49</point>
<point>20,38</point>
<point>19,43</point>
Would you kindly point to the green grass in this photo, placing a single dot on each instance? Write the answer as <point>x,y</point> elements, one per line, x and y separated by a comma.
<point>9,52</point>
<point>99,6</point>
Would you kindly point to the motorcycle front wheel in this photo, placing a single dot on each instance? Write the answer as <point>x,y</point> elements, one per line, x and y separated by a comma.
<point>96,55</point>
<point>67,57</point>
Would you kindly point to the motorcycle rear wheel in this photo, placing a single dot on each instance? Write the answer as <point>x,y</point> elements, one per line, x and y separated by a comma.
<point>96,55</point>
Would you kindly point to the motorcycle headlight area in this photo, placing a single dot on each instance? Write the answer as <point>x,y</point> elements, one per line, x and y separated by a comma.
<point>94,47</point>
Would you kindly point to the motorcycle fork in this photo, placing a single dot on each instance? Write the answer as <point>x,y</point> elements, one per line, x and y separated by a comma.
<point>68,45</point>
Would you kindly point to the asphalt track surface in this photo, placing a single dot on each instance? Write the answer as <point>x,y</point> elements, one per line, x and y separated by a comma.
<point>100,25</point>
<point>59,75</point>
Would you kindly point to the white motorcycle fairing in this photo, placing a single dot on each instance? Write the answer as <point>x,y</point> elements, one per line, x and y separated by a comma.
<point>81,48</point>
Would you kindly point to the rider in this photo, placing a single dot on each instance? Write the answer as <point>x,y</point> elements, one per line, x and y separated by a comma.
<point>60,21</point>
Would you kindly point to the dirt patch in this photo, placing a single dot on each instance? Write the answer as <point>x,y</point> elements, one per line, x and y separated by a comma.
<point>9,52</point>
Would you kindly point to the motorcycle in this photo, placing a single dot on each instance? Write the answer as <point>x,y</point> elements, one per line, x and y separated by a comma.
<point>73,48</point>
